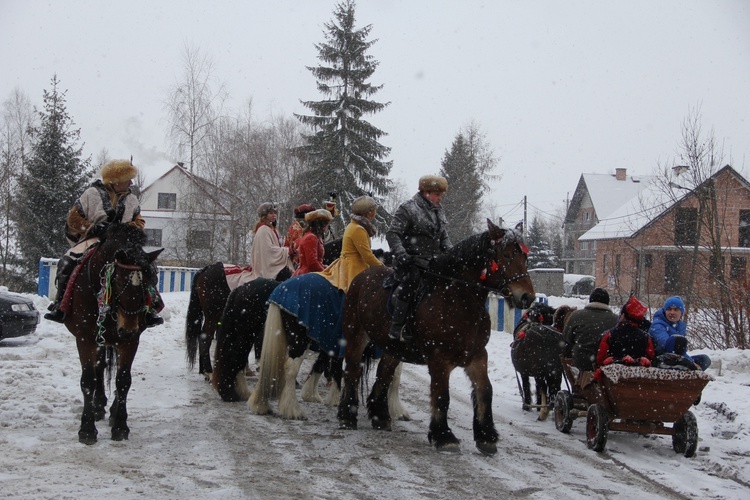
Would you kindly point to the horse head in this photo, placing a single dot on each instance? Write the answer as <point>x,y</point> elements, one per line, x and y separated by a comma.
<point>506,270</point>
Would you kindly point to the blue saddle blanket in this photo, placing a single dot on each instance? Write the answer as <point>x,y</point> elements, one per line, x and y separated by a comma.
<point>317,305</point>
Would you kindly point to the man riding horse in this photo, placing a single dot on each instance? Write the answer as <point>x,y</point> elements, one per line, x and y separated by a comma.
<point>107,201</point>
<point>416,235</point>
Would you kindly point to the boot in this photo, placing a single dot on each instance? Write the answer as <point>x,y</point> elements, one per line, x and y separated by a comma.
<point>152,317</point>
<point>65,268</point>
<point>401,308</point>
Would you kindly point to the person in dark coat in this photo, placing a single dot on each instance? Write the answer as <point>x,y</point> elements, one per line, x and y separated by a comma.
<point>627,342</point>
<point>416,235</point>
<point>585,328</point>
<point>668,332</point>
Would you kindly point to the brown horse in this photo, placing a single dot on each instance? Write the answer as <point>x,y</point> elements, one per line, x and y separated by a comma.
<point>450,325</point>
<point>109,301</point>
<point>535,352</point>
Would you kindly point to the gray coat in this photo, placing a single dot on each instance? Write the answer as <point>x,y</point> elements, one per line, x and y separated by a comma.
<point>584,330</point>
<point>418,228</point>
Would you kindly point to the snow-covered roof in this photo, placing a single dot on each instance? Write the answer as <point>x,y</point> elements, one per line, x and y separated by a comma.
<point>608,194</point>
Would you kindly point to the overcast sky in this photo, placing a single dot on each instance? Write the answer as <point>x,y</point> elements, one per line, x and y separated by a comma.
<point>559,88</point>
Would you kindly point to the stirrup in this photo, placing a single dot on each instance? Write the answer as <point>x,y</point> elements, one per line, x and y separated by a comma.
<point>55,315</point>
<point>153,320</point>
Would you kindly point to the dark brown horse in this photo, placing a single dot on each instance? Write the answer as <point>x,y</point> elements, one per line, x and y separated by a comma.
<point>208,296</point>
<point>451,328</point>
<point>106,312</point>
<point>535,352</point>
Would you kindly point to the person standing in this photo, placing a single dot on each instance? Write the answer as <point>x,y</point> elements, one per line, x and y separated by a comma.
<point>268,258</point>
<point>668,332</point>
<point>585,328</point>
<point>310,246</point>
<point>416,235</point>
<point>356,253</point>
<point>107,201</point>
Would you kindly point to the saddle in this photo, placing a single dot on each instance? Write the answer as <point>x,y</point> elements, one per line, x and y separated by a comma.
<point>67,299</point>
<point>390,283</point>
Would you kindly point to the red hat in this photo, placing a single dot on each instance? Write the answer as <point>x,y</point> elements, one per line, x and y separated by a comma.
<point>634,309</point>
<point>300,211</point>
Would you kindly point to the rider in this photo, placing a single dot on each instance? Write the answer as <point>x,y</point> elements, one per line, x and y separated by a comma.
<point>330,205</point>
<point>107,201</point>
<point>310,246</point>
<point>417,234</point>
<point>295,231</point>
<point>267,257</point>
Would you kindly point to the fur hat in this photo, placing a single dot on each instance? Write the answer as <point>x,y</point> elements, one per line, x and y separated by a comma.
<point>116,171</point>
<point>300,211</point>
<point>435,183</point>
<point>363,205</point>
<point>266,208</point>
<point>599,295</point>
<point>675,302</point>
<point>319,214</point>
<point>634,309</point>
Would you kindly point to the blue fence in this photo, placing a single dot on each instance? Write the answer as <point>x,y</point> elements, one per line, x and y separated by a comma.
<point>171,279</point>
<point>504,317</point>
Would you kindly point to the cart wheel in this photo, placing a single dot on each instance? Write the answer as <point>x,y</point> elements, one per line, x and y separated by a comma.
<point>597,427</point>
<point>685,436</point>
<point>563,407</point>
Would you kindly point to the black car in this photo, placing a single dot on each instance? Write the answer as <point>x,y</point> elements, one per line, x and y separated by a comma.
<point>18,316</point>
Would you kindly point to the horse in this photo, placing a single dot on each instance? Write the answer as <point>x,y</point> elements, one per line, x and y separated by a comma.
<point>303,309</point>
<point>450,326</point>
<point>209,292</point>
<point>105,307</point>
<point>535,352</point>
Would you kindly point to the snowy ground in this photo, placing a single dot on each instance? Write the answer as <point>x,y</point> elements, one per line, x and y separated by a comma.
<point>186,443</point>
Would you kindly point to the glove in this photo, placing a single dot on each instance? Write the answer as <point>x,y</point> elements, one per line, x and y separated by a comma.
<point>404,259</point>
<point>98,229</point>
<point>421,262</point>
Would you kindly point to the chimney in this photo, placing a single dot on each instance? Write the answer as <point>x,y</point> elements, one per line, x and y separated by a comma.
<point>621,174</point>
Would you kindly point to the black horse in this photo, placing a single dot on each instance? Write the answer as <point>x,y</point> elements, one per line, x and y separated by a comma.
<point>535,352</point>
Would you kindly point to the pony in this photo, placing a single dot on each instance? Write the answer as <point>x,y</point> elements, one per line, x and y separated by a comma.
<point>209,293</point>
<point>105,305</point>
<point>303,310</point>
<point>535,352</point>
<point>450,325</point>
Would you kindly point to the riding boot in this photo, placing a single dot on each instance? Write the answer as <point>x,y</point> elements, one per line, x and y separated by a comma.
<point>152,318</point>
<point>65,268</point>
<point>400,310</point>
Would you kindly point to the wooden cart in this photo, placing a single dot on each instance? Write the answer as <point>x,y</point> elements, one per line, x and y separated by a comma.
<point>632,399</point>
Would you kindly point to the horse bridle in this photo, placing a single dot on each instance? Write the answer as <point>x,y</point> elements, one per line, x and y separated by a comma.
<point>492,266</point>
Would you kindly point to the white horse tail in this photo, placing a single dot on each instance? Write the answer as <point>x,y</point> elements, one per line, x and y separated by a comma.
<point>272,358</point>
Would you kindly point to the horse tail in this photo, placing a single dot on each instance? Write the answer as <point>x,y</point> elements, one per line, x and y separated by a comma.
<point>273,355</point>
<point>194,321</point>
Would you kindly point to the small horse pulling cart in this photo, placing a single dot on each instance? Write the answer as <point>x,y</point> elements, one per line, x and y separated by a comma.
<point>632,399</point>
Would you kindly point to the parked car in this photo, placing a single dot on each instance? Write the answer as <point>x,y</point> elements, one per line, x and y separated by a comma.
<point>18,316</point>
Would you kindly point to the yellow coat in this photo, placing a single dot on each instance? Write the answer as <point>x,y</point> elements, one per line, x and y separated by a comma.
<point>356,256</point>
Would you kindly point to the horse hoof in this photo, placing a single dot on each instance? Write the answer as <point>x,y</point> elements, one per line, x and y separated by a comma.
<point>448,448</point>
<point>347,425</point>
<point>87,438</point>
<point>526,407</point>
<point>120,435</point>
<point>488,449</point>
<point>381,425</point>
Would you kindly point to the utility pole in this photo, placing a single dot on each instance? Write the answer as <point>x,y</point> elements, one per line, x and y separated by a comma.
<point>525,227</point>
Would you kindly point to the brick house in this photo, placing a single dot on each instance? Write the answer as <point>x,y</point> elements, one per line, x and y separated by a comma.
<point>676,243</point>
<point>595,198</point>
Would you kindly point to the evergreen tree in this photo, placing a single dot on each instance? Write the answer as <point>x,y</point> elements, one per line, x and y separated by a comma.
<point>343,153</point>
<point>467,167</point>
<point>541,255</point>
<point>54,178</point>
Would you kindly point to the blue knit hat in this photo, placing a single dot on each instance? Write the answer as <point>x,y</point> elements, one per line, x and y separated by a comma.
<point>675,302</point>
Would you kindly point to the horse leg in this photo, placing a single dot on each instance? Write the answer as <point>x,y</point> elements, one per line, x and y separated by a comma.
<point>395,408</point>
<point>336,366</point>
<point>309,390</point>
<point>541,394</point>
<point>100,397</point>
<point>349,400</point>
<point>485,434</point>
<point>204,349</point>
<point>526,384</point>
<point>377,402</point>
<point>289,407</point>
<point>88,355</point>
<point>118,417</point>
<point>440,433</point>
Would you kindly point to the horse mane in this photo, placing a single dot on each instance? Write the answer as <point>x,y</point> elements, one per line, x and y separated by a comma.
<point>125,242</point>
<point>469,253</point>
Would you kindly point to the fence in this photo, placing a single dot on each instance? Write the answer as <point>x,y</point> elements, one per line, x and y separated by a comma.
<point>171,279</point>
<point>178,279</point>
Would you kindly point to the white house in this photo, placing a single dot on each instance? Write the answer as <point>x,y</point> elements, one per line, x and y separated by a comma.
<point>192,219</point>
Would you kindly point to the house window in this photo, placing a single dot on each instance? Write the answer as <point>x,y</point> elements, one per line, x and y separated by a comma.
<point>714,266</point>
<point>584,245</point>
<point>198,239</point>
<point>738,270</point>
<point>672,273</point>
<point>167,201</point>
<point>744,229</point>
<point>153,237</point>
<point>648,260</point>
<point>604,264</point>
<point>686,226</point>
<point>586,216</point>
<point>617,264</point>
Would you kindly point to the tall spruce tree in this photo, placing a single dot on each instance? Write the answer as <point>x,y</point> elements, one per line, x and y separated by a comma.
<point>463,200</point>
<point>343,151</point>
<point>55,176</point>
